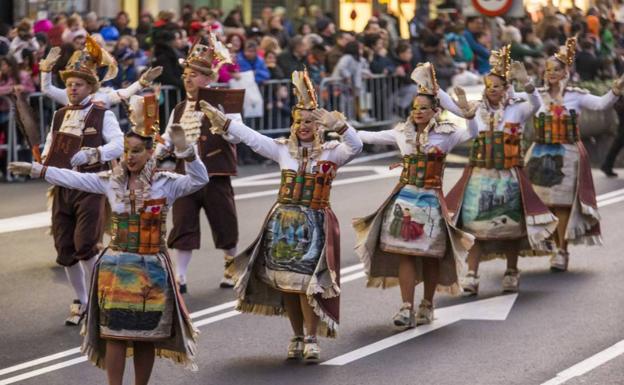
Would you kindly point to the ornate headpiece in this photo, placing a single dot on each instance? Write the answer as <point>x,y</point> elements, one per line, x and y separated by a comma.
<point>304,90</point>
<point>207,58</point>
<point>425,77</point>
<point>85,63</point>
<point>143,115</point>
<point>501,62</point>
<point>567,52</point>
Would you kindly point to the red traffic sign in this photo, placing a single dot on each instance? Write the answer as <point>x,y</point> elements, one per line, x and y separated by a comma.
<point>492,8</point>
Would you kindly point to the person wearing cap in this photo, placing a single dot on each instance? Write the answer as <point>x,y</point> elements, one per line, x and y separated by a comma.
<point>217,197</point>
<point>557,162</point>
<point>23,41</point>
<point>494,199</point>
<point>134,308</point>
<point>106,96</point>
<point>85,137</point>
<point>411,238</point>
<point>293,267</point>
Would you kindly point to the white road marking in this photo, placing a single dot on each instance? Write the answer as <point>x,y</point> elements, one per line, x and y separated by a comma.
<point>587,365</point>
<point>492,309</point>
<point>194,315</point>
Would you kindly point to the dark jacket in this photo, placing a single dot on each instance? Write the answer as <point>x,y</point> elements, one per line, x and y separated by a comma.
<point>290,63</point>
<point>587,65</point>
<point>167,57</point>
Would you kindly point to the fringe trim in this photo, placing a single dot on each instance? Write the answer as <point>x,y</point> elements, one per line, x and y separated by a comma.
<point>328,327</point>
<point>589,210</point>
<point>260,309</point>
<point>541,219</point>
<point>389,282</point>
<point>588,240</point>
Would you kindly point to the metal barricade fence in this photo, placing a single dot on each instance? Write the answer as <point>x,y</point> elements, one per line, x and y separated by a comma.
<point>374,107</point>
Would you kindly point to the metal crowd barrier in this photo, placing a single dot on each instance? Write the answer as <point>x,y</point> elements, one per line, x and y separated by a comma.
<point>373,107</point>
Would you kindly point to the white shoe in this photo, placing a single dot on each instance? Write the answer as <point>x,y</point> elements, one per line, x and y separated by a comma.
<point>511,281</point>
<point>559,261</point>
<point>470,283</point>
<point>405,317</point>
<point>295,348</point>
<point>311,350</point>
<point>77,311</point>
<point>425,313</point>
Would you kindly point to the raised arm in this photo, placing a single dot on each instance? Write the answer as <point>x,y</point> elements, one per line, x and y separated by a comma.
<point>88,182</point>
<point>598,103</point>
<point>146,80</point>
<point>449,104</point>
<point>378,137</point>
<point>112,134</point>
<point>57,94</point>
<point>196,177</point>
<point>238,131</point>
<point>350,146</point>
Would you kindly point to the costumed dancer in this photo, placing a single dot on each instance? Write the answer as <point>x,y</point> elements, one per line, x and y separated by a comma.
<point>293,267</point>
<point>135,308</point>
<point>494,200</point>
<point>201,68</point>
<point>106,96</point>
<point>558,164</point>
<point>411,238</point>
<point>83,136</point>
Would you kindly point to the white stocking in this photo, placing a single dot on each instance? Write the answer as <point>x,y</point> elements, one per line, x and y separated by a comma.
<point>183,259</point>
<point>230,252</point>
<point>87,267</point>
<point>76,278</point>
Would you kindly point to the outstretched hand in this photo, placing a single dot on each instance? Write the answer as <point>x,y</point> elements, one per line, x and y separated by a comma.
<point>217,117</point>
<point>332,121</point>
<point>519,73</point>
<point>151,74</point>
<point>468,108</point>
<point>46,65</point>
<point>20,168</point>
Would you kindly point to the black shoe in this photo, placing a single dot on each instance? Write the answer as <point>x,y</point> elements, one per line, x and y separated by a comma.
<point>609,172</point>
<point>182,288</point>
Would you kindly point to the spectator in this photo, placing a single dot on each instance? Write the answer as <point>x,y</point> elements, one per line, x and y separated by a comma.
<point>435,53</point>
<point>42,26</point>
<point>270,59</point>
<point>248,60</point>
<point>353,69</point>
<point>74,29</point>
<point>316,63</point>
<point>404,68</point>
<point>127,73</point>
<point>56,33</point>
<point>165,21</point>
<point>228,71</point>
<point>269,43</point>
<point>458,46</point>
<point>91,23</point>
<point>23,40</point>
<point>587,64</point>
<point>167,55</point>
<point>265,16</point>
<point>617,144</point>
<point>4,40</point>
<point>121,23</point>
<point>288,26</point>
<point>326,29</point>
<point>276,29</point>
<point>130,42</point>
<point>380,62</point>
<point>336,52</point>
<point>144,31</point>
<point>233,23</point>
<point>295,57</point>
<point>474,25</point>
<point>511,35</point>
<point>305,29</point>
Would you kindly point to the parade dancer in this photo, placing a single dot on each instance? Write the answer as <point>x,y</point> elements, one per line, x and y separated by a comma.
<point>293,266</point>
<point>494,200</point>
<point>410,238</point>
<point>558,164</point>
<point>135,308</point>
<point>83,136</point>
<point>201,68</point>
<point>106,96</point>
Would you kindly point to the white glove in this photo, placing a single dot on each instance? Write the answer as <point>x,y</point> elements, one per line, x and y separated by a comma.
<point>332,121</point>
<point>217,117</point>
<point>150,75</point>
<point>618,86</point>
<point>468,108</point>
<point>181,147</point>
<point>87,155</point>
<point>20,168</point>
<point>45,65</point>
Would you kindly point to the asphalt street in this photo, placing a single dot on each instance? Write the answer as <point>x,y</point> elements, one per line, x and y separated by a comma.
<point>561,328</point>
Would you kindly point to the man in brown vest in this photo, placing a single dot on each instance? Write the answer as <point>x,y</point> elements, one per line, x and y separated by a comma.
<point>219,157</point>
<point>83,136</point>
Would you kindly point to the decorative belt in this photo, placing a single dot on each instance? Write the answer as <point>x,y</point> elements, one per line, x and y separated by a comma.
<point>142,233</point>
<point>556,129</point>
<point>308,189</point>
<point>423,170</point>
<point>498,150</point>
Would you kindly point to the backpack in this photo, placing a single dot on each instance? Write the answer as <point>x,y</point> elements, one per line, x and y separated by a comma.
<point>458,48</point>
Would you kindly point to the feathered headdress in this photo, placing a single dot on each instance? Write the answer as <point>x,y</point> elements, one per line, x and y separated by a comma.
<point>207,58</point>
<point>501,62</point>
<point>304,90</point>
<point>567,52</point>
<point>85,63</point>
<point>425,77</point>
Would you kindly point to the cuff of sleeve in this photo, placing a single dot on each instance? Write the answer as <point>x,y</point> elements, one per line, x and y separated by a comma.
<point>94,155</point>
<point>187,154</point>
<point>38,170</point>
<point>342,129</point>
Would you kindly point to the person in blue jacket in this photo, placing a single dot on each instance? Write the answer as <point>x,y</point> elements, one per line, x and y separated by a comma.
<point>474,28</point>
<point>248,60</point>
